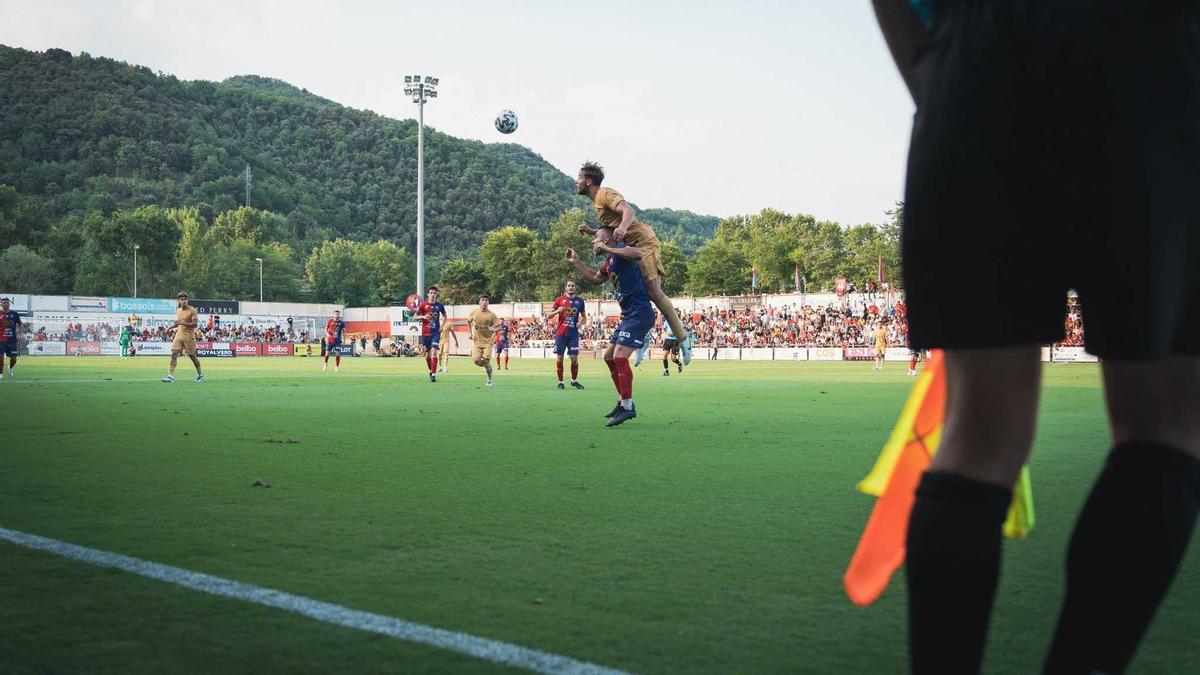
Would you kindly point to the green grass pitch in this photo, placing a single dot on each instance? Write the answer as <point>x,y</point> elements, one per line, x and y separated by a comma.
<point>710,534</point>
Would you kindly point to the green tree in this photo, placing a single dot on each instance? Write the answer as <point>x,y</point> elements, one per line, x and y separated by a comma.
<point>462,281</point>
<point>235,272</point>
<point>358,273</point>
<point>20,219</point>
<point>194,256</point>
<point>675,268</point>
<point>820,254</point>
<point>720,268</point>
<point>551,266</point>
<point>105,263</point>
<point>334,272</point>
<point>771,237</point>
<point>391,268</point>
<point>246,224</point>
<point>511,261</point>
<point>24,271</point>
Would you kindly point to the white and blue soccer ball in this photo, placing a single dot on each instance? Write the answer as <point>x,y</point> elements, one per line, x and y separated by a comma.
<point>506,122</point>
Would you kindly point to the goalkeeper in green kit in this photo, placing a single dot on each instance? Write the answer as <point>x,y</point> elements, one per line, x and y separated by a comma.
<point>125,339</point>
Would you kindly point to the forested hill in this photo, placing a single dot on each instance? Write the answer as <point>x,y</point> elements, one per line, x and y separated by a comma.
<point>81,134</point>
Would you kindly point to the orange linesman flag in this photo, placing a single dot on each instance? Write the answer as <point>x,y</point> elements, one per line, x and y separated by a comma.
<point>894,480</point>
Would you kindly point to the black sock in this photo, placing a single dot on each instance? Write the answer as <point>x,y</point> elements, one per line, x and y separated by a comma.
<point>1128,543</point>
<point>953,566</point>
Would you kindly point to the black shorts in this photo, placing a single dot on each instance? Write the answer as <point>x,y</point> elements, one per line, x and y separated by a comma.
<point>1056,146</point>
<point>671,345</point>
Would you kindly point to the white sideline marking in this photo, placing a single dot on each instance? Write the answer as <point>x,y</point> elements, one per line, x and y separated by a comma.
<point>502,653</point>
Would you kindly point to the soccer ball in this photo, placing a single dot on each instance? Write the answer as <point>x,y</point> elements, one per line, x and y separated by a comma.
<point>506,122</point>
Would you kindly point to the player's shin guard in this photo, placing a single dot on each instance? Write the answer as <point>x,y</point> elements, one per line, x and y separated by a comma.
<point>574,371</point>
<point>612,370</point>
<point>624,378</point>
<point>337,360</point>
<point>1127,546</point>
<point>558,365</point>
<point>912,363</point>
<point>433,364</point>
<point>953,567</point>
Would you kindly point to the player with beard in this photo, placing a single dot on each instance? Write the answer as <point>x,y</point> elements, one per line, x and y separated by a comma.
<point>613,211</point>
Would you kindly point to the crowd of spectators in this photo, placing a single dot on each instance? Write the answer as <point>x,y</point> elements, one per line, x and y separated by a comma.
<point>1073,326</point>
<point>250,333</point>
<point>845,324</point>
<point>849,325</point>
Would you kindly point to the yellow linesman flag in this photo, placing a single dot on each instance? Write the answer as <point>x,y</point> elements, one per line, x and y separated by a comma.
<point>894,479</point>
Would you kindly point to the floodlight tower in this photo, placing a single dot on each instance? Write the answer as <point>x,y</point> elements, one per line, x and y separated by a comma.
<point>420,91</point>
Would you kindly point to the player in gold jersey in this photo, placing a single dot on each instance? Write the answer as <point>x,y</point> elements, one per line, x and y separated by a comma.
<point>614,211</point>
<point>448,334</point>
<point>184,341</point>
<point>482,323</point>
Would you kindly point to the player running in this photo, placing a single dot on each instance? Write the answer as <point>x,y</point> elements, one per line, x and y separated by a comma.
<point>482,324</point>
<point>431,312</point>
<point>10,322</point>
<point>448,334</point>
<point>186,320</point>
<point>637,314</point>
<point>125,339</point>
<point>334,328</point>
<point>569,308</point>
<point>502,344</point>
<point>670,349</point>
<point>615,212</point>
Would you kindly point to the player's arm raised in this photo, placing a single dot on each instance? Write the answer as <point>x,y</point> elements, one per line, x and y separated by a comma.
<point>627,252</point>
<point>586,272</point>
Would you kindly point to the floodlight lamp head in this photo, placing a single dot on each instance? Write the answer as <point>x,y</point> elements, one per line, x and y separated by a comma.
<point>408,79</point>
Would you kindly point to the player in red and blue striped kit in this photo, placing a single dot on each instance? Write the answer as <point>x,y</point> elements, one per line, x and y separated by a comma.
<point>333,341</point>
<point>10,322</point>
<point>637,314</point>
<point>431,312</point>
<point>569,308</point>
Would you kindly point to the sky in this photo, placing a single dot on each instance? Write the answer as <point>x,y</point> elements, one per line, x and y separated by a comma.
<point>721,108</point>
